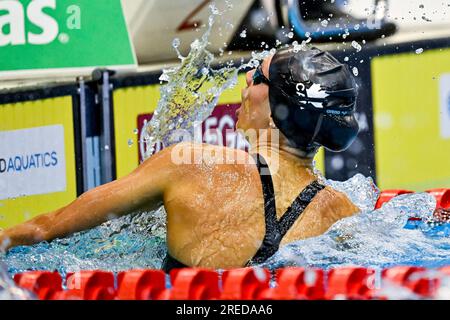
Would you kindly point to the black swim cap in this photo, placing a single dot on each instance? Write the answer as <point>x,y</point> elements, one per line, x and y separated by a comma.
<point>312,98</point>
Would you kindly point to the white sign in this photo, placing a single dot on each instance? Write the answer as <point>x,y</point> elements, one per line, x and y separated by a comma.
<point>444,89</point>
<point>32,161</point>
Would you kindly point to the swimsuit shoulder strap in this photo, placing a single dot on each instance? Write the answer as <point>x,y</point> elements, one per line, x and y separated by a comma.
<point>276,230</point>
<point>298,206</point>
<point>271,239</point>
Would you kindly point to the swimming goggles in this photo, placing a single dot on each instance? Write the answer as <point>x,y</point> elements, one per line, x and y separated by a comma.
<point>259,77</point>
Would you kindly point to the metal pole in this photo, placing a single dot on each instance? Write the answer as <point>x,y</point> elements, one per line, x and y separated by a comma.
<point>107,148</point>
<point>83,127</point>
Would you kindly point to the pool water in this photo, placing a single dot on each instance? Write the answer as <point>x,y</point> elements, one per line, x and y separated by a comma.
<point>375,238</point>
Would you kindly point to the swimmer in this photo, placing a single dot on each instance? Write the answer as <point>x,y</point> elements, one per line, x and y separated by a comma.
<point>224,213</point>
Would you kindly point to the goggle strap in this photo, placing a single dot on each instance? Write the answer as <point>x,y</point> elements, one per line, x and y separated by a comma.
<point>351,92</point>
<point>317,128</point>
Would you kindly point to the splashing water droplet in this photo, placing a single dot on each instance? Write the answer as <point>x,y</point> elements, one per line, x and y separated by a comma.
<point>164,77</point>
<point>176,43</point>
<point>355,71</point>
<point>357,46</point>
<point>130,142</point>
<point>419,51</point>
<point>243,34</point>
<point>310,277</point>
<point>290,35</point>
<point>229,4</point>
<point>302,46</point>
<point>346,34</point>
<point>324,23</point>
<point>214,9</point>
<point>260,274</point>
<point>9,290</point>
<point>346,59</point>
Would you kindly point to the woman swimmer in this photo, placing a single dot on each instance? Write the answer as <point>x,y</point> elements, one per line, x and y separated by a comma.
<point>223,212</point>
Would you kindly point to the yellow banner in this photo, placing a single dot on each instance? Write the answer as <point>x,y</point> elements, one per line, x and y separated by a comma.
<point>411,150</point>
<point>23,167</point>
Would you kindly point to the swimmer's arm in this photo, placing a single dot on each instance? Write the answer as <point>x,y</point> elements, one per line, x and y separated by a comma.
<point>143,189</point>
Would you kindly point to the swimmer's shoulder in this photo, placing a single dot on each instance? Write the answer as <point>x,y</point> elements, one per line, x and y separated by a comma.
<point>336,202</point>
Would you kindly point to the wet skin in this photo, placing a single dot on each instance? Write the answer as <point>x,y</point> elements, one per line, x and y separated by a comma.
<point>215,211</point>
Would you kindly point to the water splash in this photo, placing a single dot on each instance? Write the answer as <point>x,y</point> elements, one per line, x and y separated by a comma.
<point>373,238</point>
<point>361,190</point>
<point>189,96</point>
<point>190,93</point>
<point>8,289</point>
<point>128,242</point>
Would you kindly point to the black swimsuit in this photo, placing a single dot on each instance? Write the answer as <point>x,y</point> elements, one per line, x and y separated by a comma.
<point>275,229</point>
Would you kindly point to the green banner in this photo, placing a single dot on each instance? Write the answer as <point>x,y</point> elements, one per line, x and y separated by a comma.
<point>39,35</point>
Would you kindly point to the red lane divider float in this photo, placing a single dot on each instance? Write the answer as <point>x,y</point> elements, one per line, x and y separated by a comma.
<point>442,197</point>
<point>194,284</point>
<point>44,284</point>
<point>387,195</point>
<point>351,283</point>
<point>91,285</point>
<point>245,284</point>
<point>142,285</point>
<point>413,278</point>
<point>67,295</point>
<point>298,283</point>
<point>238,284</point>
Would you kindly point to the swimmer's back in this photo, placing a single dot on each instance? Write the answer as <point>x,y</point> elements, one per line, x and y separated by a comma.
<point>216,211</point>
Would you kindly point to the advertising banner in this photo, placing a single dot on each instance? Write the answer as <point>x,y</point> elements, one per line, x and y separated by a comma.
<point>217,129</point>
<point>32,161</point>
<point>59,36</point>
<point>411,119</point>
<point>37,158</point>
